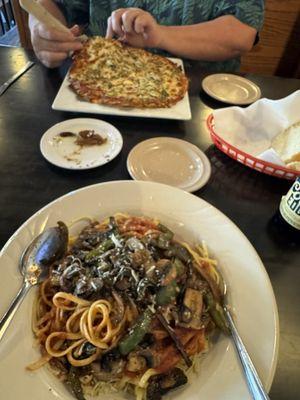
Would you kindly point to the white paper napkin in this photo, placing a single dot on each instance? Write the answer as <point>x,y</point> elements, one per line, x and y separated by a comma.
<point>252,129</point>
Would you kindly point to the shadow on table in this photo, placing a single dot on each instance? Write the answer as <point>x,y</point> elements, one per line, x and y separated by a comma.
<point>244,182</point>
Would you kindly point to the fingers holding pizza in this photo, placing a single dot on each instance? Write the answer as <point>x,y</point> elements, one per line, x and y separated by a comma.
<point>135,27</point>
<point>52,46</point>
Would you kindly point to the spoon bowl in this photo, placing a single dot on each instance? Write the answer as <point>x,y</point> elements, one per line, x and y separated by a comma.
<point>48,247</point>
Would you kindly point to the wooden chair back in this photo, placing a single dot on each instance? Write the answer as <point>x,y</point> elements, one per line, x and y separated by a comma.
<point>278,51</point>
<point>21,18</point>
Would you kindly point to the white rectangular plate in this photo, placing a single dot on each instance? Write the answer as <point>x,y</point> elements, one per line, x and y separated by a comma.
<point>67,100</point>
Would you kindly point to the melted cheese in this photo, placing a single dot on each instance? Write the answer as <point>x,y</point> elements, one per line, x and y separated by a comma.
<point>106,70</point>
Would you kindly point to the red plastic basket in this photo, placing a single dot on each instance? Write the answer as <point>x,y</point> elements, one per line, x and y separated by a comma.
<point>247,159</point>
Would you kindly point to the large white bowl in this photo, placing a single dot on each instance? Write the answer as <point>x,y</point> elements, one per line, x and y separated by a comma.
<point>250,291</point>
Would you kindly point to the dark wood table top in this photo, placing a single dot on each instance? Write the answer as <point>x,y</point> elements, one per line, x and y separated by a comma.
<point>249,198</point>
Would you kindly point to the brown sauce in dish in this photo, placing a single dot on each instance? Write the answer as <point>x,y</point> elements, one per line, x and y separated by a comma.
<point>84,138</point>
<point>89,138</point>
<point>66,134</point>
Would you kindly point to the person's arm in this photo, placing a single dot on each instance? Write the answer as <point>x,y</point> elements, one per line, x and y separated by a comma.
<point>222,38</point>
<point>52,47</point>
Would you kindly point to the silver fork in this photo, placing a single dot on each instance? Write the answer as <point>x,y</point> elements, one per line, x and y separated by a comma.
<point>254,383</point>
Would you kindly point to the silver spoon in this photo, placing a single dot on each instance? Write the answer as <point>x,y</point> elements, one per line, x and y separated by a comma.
<point>49,246</point>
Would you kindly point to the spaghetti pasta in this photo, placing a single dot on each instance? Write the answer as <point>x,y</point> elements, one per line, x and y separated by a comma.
<point>95,315</point>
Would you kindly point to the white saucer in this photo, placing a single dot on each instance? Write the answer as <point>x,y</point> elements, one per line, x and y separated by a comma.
<point>174,162</point>
<point>64,153</point>
<point>232,89</point>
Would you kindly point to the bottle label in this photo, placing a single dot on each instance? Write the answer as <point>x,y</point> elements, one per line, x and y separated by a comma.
<point>290,205</point>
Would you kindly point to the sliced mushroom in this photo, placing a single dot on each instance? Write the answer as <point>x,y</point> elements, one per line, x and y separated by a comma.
<point>202,268</point>
<point>162,383</point>
<point>134,244</point>
<point>110,367</point>
<point>190,316</point>
<point>140,257</point>
<point>150,357</point>
<point>111,361</point>
<point>136,363</point>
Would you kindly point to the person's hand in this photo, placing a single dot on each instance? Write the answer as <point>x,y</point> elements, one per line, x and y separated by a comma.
<point>135,27</point>
<point>51,46</point>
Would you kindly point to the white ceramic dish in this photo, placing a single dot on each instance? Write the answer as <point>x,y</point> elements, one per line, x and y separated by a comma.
<point>64,153</point>
<point>250,291</point>
<point>231,89</point>
<point>66,100</point>
<point>171,161</point>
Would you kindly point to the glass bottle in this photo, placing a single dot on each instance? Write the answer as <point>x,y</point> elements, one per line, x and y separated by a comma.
<point>284,226</point>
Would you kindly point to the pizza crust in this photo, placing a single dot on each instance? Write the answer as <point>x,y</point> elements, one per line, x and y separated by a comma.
<point>108,72</point>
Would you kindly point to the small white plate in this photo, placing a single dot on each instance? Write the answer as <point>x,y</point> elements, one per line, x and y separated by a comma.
<point>64,153</point>
<point>67,100</point>
<point>174,162</point>
<point>232,89</point>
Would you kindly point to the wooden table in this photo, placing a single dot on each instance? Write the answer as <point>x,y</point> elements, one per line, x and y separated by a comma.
<point>248,198</point>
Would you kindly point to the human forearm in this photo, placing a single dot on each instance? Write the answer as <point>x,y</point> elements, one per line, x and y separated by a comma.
<point>223,38</point>
<point>52,46</point>
<point>216,40</point>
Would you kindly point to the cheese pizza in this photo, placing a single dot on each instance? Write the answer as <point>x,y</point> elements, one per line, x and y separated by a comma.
<point>109,72</point>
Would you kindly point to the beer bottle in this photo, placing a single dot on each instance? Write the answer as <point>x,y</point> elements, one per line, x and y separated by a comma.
<point>284,227</point>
